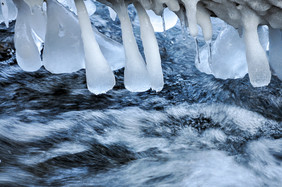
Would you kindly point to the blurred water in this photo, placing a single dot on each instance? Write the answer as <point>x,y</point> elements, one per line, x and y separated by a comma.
<point>198,131</point>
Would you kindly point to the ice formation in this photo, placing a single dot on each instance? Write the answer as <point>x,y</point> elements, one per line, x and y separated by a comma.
<point>99,75</point>
<point>8,11</point>
<point>64,33</point>
<point>228,58</point>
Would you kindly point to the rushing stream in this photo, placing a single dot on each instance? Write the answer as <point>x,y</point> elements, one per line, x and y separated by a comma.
<point>198,131</point>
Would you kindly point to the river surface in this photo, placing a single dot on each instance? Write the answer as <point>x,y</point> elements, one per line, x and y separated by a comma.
<point>198,131</point>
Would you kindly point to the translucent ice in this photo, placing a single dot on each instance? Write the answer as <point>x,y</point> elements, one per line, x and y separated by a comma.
<point>112,50</point>
<point>203,19</point>
<point>275,51</point>
<point>63,49</point>
<point>151,49</point>
<point>136,77</point>
<point>32,3</point>
<point>258,67</point>
<point>228,57</point>
<point>99,75</point>
<point>113,14</point>
<point>27,53</point>
<point>169,17</point>
<point>8,11</point>
<point>90,6</point>
<point>191,13</point>
<point>173,5</point>
<point>5,12</point>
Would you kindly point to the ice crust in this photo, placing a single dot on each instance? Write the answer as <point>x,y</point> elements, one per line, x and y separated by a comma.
<point>64,49</point>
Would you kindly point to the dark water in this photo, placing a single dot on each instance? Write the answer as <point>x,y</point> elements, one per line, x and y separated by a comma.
<point>198,131</point>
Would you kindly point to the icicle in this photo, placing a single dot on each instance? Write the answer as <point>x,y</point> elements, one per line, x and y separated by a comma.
<point>183,30</point>
<point>168,18</point>
<point>27,54</point>
<point>182,19</point>
<point>163,21</point>
<point>5,12</point>
<point>151,49</point>
<point>63,49</point>
<point>191,10</point>
<point>197,58</point>
<point>258,67</point>
<point>136,77</point>
<point>209,53</point>
<point>8,11</point>
<point>99,75</point>
<point>275,50</point>
<point>203,19</point>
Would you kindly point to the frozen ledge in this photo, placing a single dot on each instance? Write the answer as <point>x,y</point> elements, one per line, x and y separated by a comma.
<point>55,26</point>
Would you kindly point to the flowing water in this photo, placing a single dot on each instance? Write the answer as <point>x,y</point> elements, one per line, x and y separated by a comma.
<point>198,131</point>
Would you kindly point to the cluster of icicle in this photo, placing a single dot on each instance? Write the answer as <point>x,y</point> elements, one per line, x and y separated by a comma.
<point>69,42</point>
